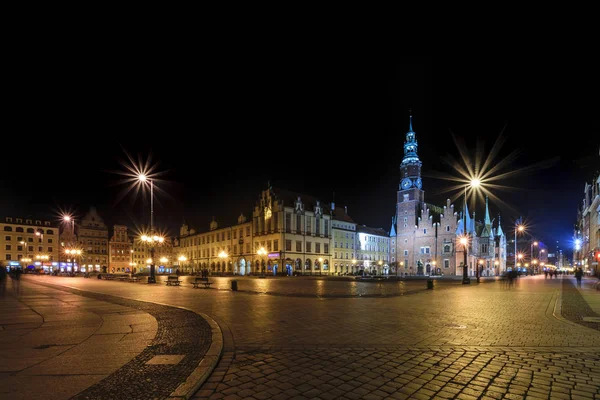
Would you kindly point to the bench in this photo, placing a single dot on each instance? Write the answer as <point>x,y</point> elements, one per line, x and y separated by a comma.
<point>173,280</point>
<point>134,279</point>
<point>201,281</point>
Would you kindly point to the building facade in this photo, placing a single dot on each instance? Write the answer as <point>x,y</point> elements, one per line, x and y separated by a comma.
<point>373,250</point>
<point>289,234</point>
<point>220,251</point>
<point>344,238</point>
<point>120,250</point>
<point>93,241</point>
<point>295,231</point>
<point>424,236</point>
<point>28,243</point>
<point>586,253</point>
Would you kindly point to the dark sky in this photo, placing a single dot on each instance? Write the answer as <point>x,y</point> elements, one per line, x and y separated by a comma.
<point>220,131</point>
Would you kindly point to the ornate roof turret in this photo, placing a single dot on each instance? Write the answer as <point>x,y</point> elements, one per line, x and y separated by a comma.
<point>213,225</point>
<point>468,221</point>
<point>499,231</point>
<point>410,147</point>
<point>487,223</point>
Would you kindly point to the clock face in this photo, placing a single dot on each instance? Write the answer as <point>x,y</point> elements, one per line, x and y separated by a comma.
<point>406,183</point>
<point>418,183</point>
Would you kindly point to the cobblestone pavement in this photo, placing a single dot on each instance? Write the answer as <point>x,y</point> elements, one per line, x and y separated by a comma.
<point>575,308</point>
<point>178,344</point>
<point>472,341</point>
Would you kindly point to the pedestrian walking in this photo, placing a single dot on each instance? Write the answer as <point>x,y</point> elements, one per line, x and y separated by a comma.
<point>578,276</point>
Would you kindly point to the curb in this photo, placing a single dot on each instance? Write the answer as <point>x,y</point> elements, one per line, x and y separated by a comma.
<point>208,363</point>
<point>205,367</point>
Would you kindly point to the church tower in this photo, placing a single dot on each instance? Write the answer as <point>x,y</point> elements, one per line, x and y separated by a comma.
<point>410,201</point>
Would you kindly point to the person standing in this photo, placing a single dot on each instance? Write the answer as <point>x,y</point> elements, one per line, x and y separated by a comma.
<point>578,276</point>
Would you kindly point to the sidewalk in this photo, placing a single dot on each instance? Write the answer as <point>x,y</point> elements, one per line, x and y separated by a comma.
<point>90,346</point>
<point>590,294</point>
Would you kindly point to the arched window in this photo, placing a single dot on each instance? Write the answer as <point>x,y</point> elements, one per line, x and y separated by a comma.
<point>29,230</point>
<point>50,232</point>
<point>19,229</point>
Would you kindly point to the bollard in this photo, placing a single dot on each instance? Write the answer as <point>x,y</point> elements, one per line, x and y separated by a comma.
<point>429,283</point>
<point>234,285</point>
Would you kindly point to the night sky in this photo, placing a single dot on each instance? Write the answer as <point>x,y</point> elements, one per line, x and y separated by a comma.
<point>330,128</point>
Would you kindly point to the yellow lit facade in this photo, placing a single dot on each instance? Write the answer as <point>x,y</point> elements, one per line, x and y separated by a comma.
<point>93,240</point>
<point>120,256</point>
<point>27,242</point>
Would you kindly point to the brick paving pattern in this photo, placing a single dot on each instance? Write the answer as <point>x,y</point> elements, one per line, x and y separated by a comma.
<point>481,341</point>
<point>180,332</point>
<point>574,307</point>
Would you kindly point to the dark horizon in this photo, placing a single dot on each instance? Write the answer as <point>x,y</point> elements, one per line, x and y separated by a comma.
<point>335,133</point>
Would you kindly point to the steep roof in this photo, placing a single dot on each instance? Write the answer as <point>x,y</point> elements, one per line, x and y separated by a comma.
<point>289,198</point>
<point>339,214</point>
<point>371,231</point>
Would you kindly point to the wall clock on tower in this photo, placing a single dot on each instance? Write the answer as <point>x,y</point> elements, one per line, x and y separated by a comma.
<point>418,183</point>
<point>406,183</point>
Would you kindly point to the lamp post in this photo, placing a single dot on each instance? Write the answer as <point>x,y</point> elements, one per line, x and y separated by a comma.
<point>223,256</point>
<point>519,258</point>
<point>533,244</point>
<point>518,228</point>
<point>464,241</point>
<point>67,218</point>
<point>261,252</point>
<point>74,254</point>
<point>152,278</point>
<point>24,244</point>
<point>474,183</point>
<point>152,241</point>
<point>181,260</point>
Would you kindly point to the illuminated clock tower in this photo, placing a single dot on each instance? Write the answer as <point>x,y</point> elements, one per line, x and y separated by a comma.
<point>411,186</point>
<point>409,202</point>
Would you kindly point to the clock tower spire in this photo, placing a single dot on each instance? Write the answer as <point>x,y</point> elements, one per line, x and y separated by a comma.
<point>410,168</point>
<point>410,203</point>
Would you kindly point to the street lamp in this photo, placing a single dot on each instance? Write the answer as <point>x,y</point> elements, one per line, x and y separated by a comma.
<point>223,256</point>
<point>464,241</point>
<point>473,183</point>
<point>533,255</point>
<point>182,259</point>
<point>74,253</point>
<point>261,252</point>
<point>24,244</point>
<point>68,218</point>
<point>518,228</point>
<point>152,240</point>
<point>152,278</point>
